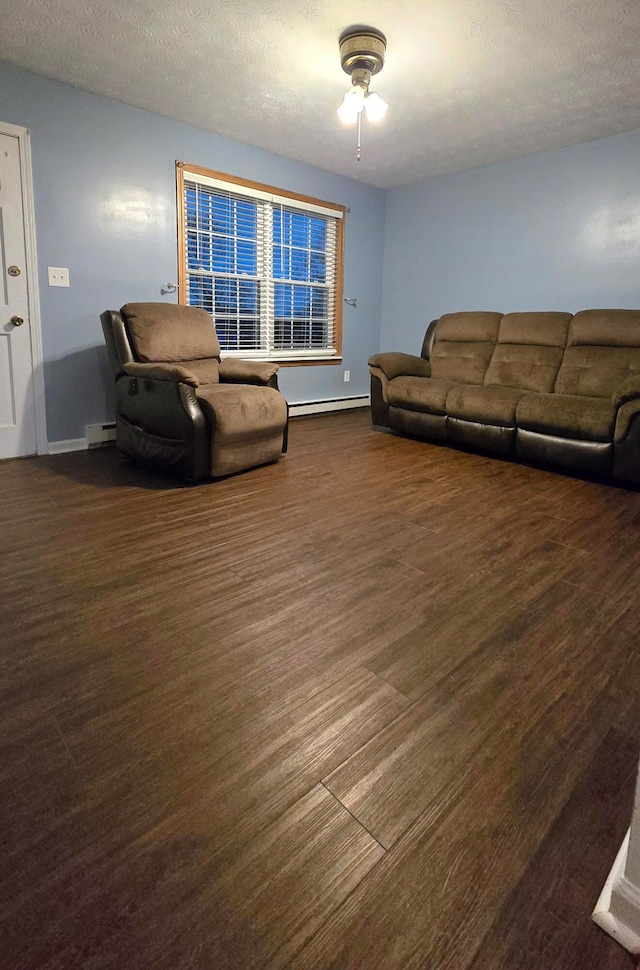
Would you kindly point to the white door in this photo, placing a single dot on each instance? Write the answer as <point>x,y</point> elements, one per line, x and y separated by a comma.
<point>17,398</point>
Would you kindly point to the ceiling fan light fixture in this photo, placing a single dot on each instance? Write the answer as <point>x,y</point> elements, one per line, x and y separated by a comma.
<point>352,105</point>
<point>375,107</point>
<point>362,51</point>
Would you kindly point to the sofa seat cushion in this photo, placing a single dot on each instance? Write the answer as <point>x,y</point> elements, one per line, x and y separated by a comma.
<point>567,416</point>
<point>486,404</point>
<point>428,394</point>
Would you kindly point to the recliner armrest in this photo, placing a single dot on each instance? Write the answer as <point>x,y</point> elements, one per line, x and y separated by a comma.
<point>629,390</point>
<point>161,372</point>
<point>397,365</point>
<point>236,371</point>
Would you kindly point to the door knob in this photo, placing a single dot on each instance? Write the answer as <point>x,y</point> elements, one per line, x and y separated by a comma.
<point>17,321</point>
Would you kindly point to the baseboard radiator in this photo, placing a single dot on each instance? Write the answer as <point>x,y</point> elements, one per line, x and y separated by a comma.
<point>98,435</point>
<point>299,408</point>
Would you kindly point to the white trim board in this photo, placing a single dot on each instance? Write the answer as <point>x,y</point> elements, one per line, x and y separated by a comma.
<point>69,444</point>
<point>35,325</point>
<point>329,404</point>
<point>625,898</point>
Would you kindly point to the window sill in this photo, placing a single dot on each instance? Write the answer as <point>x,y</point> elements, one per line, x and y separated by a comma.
<point>285,361</point>
<point>305,362</point>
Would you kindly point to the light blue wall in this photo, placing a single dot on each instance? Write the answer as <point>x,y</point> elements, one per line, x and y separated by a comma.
<point>559,230</point>
<point>105,207</point>
<point>555,231</point>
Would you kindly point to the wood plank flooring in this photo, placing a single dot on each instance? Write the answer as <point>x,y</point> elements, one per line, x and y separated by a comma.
<point>375,707</point>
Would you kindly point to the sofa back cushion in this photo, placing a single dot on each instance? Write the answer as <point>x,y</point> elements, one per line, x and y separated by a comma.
<point>167,333</point>
<point>529,350</point>
<point>603,350</point>
<point>463,346</point>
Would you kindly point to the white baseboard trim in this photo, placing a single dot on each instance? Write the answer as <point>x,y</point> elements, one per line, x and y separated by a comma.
<point>71,444</point>
<point>617,911</point>
<point>329,404</point>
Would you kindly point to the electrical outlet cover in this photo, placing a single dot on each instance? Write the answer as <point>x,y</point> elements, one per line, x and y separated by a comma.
<point>58,276</point>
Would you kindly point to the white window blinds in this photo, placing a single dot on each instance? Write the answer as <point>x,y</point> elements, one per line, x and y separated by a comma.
<point>266,266</point>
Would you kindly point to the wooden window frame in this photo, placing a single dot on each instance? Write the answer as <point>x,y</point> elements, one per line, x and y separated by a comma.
<point>305,360</point>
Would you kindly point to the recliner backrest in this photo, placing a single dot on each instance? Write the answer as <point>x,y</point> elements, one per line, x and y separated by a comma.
<point>463,346</point>
<point>603,350</point>
<point>167,333</point>
<point>529,350</point>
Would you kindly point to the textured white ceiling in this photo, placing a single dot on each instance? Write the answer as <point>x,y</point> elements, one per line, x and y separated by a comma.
<point>469,82</point>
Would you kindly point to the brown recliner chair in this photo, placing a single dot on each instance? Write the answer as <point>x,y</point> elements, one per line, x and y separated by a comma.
<point>179,407</point>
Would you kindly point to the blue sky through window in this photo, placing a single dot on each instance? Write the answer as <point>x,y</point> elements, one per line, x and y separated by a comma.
<point>223,256</point>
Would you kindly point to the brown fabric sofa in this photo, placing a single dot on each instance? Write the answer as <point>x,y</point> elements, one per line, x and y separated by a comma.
<point>178,406</point>
<point>543,387</point>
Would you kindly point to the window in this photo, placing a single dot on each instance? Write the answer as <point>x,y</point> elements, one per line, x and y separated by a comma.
<point>265,263</point>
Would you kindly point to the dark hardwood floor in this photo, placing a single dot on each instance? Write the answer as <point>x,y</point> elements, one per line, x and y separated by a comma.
<point>375,707</point>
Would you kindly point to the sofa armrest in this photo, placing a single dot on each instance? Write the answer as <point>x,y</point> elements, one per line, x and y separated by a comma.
<point>161,372</point>
<point>236,371</point>
<point>629,390</point>
<point>396,365</point>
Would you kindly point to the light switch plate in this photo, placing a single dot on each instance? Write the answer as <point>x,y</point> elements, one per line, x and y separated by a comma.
<point>58,276</point>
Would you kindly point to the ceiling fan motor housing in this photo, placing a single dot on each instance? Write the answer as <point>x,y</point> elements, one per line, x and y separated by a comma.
<point>362,51</point>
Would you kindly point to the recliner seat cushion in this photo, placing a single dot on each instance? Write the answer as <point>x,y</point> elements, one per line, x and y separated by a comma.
<point>463,346</point>
<point>167,333</point>
<point>484,404</point>
<point>247,425</point>
<point>240,410</point>
<point>567,416</point>
<point>427,394</point>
